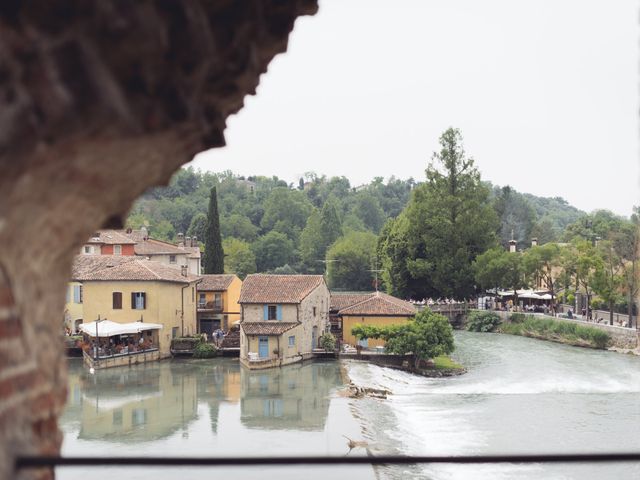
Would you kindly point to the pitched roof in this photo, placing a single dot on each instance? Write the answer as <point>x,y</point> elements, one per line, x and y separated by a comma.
<point>266,328</point>
<point>84,265</point>
<point>261,288</point>
<point>145,270</point>
<point>344,300</point>
<point>111,237</point>
<point>216,283</point>
<point>157,247</point>
<point>380,304</point>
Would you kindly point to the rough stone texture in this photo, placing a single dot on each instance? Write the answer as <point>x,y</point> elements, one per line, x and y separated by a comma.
<point>98,102</point>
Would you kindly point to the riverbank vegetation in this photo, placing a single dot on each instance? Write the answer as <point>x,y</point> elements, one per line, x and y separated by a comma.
<point>557,331</point>
<point>482,321</point>
<point>426,337</point>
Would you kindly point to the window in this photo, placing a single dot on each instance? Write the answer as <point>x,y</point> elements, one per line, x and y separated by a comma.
<point>117,300</point>
<point>172,259</point>
<point>138,300</point>
<point>88,249</point>
<point>314,311</point>
<point>292,341</point>
<point>138,416</point>
<point>117,249</point>
<point>272,312</point>
<point>174,332</point>
<point>117,416</point>
<point>202,300</point>
<point>77,293</point>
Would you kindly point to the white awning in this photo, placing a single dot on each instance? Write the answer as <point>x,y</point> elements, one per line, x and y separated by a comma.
<point>107,328</point>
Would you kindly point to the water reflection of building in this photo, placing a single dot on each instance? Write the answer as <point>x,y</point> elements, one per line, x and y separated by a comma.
<point>293,397</point>
<point>141,403</point>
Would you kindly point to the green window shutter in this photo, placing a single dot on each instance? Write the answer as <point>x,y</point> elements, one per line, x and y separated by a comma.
<point>133,300</point>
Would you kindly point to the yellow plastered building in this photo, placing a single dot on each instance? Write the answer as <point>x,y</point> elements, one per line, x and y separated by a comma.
<point>218,305</point>
<point>377,309</point>
<point>143,290</point>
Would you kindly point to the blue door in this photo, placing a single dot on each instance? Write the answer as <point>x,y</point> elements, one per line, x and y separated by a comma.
<point>263,347</point>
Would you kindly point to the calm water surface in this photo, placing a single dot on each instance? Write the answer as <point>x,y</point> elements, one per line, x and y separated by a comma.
<point>520,396</point>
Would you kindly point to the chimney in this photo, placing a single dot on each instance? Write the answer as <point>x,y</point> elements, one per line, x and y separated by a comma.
<point>194,241</point>
<point>184,270</point>
<point>534,242</point>
<point>187,242</point>
<point>181,239</point>
<point>512,246</point>
<point>145,233</point>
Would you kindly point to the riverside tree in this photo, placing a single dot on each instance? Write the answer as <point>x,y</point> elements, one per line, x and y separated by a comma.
<point>429,335</point>
<point>213,254</point>
<point>449,222</point>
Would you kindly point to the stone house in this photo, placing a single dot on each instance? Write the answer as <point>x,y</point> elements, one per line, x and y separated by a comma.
<point>218,305</point>
<point>282,318</point>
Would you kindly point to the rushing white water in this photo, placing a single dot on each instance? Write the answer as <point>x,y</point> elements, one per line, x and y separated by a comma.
<point>519,396</point>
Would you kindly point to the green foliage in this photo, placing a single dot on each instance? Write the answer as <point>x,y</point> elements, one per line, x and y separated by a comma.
<point>312,245</point>
<point>499,268</point>
<point>204,350</point>
<point>349,261</point>
<point>516,215</point>
<point>517,317</point>
<point>482,321</point>
<point>240,259</point>
<point>565,332</point>
<point>213,261</point>
<point>427,336</point>
<point>328,342</point>
<point>254,206</point>
<point>449,222</point>
<point>272,250</point>
<point>542,262</point>
<point>198,226</point>
<point>285,269</point>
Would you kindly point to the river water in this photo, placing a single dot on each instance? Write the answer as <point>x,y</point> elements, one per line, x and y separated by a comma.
<point>519,396</point>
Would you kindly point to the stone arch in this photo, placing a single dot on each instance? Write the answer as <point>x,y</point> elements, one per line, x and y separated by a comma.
<point>98,102</point>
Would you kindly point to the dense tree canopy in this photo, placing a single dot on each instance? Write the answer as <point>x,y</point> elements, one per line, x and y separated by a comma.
<point>449,221</point>
<point>213,260</point>
<point>252,207</point>
<point>350,261</point>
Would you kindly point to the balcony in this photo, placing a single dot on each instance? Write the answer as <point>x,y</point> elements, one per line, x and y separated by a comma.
<point>214,307</point>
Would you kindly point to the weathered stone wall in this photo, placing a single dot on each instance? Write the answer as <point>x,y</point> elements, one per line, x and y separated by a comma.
<point>98,102</point>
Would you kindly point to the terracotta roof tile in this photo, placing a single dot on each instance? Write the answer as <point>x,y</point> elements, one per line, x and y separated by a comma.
<point>111,237</point>
<point>157,247</point>
<point>267,328</point>
<point>344,300</point>
<point>216,283</point>
<point>380,304</point>
<point>261,288</point>
<point>84,265</point>
<point>141,270</point>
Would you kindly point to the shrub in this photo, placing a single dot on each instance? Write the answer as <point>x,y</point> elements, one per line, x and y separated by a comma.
<point>551,329</point>
<point>204,350</point>
<point>517,317</point>
<point>479,321</point>
<point>328,342</point>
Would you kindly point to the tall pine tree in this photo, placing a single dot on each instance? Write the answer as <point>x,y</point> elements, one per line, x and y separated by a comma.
<point>213,254</point>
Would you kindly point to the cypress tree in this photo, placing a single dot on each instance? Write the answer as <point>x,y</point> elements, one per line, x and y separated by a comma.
<point>213,254</point>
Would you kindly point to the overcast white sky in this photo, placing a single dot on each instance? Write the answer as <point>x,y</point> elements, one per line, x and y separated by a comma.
<point>544,91</point>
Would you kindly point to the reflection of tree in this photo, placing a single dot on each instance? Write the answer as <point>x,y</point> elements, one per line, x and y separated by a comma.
<point>291,397</point>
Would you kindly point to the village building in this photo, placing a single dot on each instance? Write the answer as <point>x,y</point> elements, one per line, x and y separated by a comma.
<point>377,309</point>
<point>218,306</point>
<point>282,318</point>
<point>137,242</point>
<point>141,291</point>
<point>84,265</point>
<point>109,242</point>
